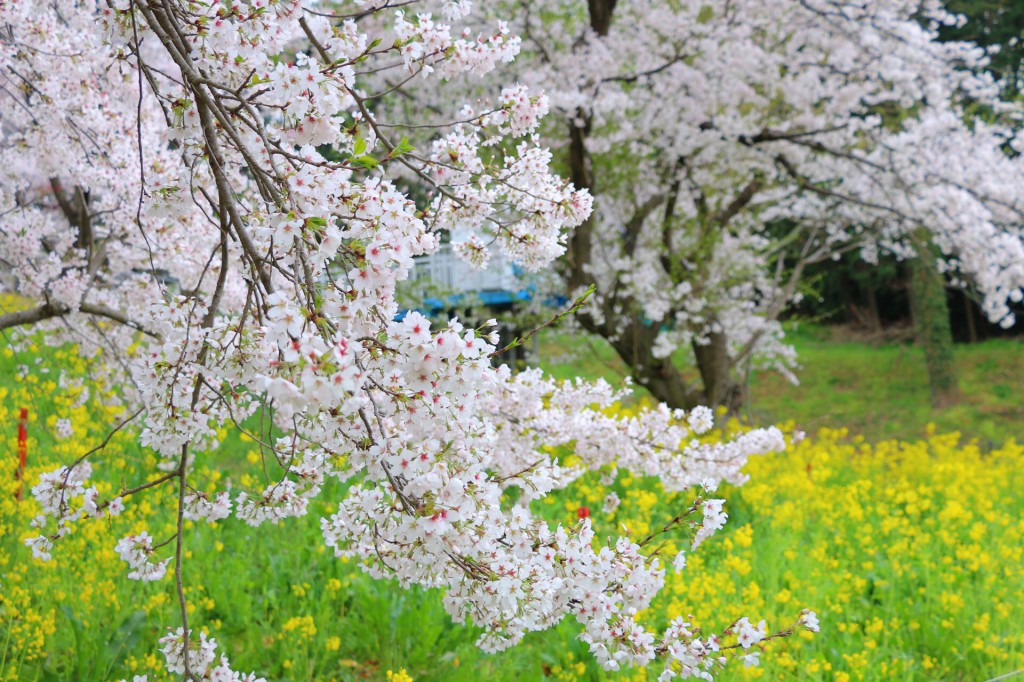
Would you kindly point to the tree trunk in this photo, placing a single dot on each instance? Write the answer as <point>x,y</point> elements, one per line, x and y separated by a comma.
<point>874,316</point>
<point>601,12</point>
<point>667,384</point>
<point>972,328</point>
<point>660,376</point>
<point>931,326</point>
<point>635,346</point>
<point>714,365</point>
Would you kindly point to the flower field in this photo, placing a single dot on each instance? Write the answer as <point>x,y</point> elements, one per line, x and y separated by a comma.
<point>912,554</point>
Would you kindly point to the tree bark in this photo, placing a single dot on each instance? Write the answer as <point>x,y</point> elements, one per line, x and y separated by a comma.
<point>667,384</point>
<point>932,327</point>
<point>972,327</point>
<point>48,311</point>
<point>579,248</point>
<point>715,367</point>
<point>601,15</point>
<point>874,316</point>
<point>660,376</point>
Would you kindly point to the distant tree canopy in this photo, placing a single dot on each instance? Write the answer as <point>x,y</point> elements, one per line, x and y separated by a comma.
<point>994,23</point>
<point>873,297</point>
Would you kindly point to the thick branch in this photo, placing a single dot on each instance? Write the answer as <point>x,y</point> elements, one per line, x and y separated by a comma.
<point>50,310</point>
<point>636,222</point>
<point>601,15</point>
<point>724,216</point>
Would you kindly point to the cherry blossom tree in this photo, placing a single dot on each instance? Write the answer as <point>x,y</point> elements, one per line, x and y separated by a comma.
<point>729,144</point>
<point>210,197</point>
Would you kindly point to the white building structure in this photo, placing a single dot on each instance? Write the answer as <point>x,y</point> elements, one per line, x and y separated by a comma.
<point>444,273</point>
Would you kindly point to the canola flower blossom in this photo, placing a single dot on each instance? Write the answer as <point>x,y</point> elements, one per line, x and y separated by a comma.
<point>909,578</point>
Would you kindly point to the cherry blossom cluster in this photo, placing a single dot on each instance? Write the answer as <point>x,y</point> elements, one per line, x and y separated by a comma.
<point>202,656</point>
<point>519,113</point>
<point>426,44</point>
<point>209,508</point>
<point>660,442</point>
<point>230,229</point>
<point>62,494</point>
<point>137,552</point>
<point>714,520</point>
<point>535,214</point>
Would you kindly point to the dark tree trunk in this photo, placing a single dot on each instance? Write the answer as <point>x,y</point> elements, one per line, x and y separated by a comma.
<point>579,248</point>
<point>660,376</point>
<point>601,15</point>
<point>715,372</point>
<point>667,384</point>
<point>635,346</point>
<point>846,287</point>
<point>874,316</point>
<point>972,328</point>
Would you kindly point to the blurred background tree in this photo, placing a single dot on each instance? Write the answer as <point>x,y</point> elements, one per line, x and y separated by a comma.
<point>882,301</point>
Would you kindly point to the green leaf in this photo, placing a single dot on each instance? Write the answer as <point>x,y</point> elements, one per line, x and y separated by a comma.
<point>366,161</point>
<point>403,147</point>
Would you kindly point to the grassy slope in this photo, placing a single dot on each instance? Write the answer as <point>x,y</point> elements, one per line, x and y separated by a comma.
<point>880,391</point>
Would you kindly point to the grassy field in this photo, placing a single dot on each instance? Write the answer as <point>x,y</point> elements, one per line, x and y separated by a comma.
<point>878,390</point>
<point>912,552</point>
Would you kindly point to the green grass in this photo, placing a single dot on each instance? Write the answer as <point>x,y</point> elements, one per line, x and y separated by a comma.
<point>877,390</point>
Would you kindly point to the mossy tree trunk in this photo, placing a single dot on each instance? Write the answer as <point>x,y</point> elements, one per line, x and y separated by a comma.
<point>931,325</point>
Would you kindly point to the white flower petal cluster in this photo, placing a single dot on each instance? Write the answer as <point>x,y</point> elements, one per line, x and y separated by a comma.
<point>202,658</point>
<point>714,520</point>
<point>137,551</point>
<point>809,620</point>
<point>210,508</point>
<point>65,429</point>
<point>62,494</point>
